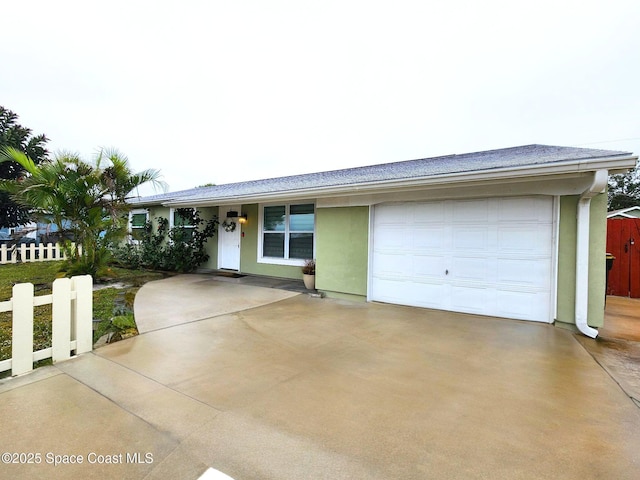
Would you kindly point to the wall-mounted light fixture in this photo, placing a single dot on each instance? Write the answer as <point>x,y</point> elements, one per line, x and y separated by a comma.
<point>242,218</point>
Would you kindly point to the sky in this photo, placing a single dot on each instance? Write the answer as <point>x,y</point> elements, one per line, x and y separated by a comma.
<point>227,91</point>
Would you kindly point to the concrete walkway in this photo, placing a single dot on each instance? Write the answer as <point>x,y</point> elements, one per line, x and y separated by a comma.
<point>188,298</point>
<point>317,388</point>
<point>617,347</point>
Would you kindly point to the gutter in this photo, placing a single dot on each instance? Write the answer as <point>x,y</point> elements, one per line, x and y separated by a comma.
<point>582,252</point>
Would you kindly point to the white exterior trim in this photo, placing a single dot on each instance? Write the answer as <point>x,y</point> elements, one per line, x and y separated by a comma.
<point>171,215</point>
<point>292,262</point>
<point>556,258</point>
<point>135,211</point>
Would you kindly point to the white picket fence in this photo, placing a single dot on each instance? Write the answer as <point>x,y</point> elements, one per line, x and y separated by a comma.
<point>72,313</point>
<point>33,253</point>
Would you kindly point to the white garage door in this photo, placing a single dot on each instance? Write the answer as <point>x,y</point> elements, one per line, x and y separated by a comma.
<point>486,256</point>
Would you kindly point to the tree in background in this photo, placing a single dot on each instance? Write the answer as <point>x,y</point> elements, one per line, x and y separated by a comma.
<point>624,190</point>
<point>86,200</point>
<point>16,136</point>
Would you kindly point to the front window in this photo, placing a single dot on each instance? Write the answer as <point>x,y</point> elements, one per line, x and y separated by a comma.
<point>287,232</point>
<point>137,221</point>
<point>184,218</point>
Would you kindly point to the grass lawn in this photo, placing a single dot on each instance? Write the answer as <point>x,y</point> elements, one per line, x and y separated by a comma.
<point>106,301</point>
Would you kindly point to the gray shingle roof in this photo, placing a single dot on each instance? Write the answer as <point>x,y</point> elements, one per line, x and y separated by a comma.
<point>524,156</point>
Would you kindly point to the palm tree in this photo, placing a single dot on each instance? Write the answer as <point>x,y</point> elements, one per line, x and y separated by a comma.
<point>87,201</point>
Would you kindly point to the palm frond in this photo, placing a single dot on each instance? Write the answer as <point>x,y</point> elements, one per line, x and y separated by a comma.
<point>10,154</point>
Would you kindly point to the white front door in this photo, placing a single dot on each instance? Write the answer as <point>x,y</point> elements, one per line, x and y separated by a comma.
<point>487,256</point>
<point>229,240</point>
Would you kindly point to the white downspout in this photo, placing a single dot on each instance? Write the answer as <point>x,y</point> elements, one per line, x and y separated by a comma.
<point>582,252</point>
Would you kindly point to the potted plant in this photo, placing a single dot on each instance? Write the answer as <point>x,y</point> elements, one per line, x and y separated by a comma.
<point>309,274</point>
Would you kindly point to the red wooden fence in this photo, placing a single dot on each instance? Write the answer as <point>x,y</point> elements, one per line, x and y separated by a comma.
<point>623,242</point>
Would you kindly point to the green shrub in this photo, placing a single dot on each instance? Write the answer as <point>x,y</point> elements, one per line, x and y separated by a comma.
<point>124,322</point>
<point>177,249</point>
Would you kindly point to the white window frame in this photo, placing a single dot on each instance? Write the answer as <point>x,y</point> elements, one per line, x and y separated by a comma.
<point>137,211</point>
<point>172,211</point>
<point>296,262</point>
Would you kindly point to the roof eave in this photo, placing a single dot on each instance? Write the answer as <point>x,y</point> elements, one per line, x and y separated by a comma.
<point>617,163</point>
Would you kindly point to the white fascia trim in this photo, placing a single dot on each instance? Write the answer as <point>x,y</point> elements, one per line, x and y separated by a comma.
<point>568,167</point>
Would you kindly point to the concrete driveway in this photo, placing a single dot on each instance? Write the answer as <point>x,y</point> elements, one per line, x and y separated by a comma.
<point>316,388</point>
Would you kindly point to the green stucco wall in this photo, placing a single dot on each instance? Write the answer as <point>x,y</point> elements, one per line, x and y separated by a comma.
<point>342,250</point>
<point>211,247</point>
<point>567,260</point>
<point>249,250</point>
<point>155,212</point>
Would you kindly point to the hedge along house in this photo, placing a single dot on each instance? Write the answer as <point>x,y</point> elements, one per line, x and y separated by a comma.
<point>517,233</point>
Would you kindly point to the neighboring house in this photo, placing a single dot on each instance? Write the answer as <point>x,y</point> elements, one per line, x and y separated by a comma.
<point>19,234</point>
<point>629,212</point>
<point>517,233</point>
<point>36,232</point>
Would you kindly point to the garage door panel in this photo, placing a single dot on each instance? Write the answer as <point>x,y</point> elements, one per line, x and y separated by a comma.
<point>522,305</point>
<point>526,238</point>
<point>428,238</point>
<point>427,266</point>
<point>470,211</point>
<point>470,268</point>
<point>433,212</point>
<point>392,238</point>
<point>409,293</point>
<point>531,273</point>
<point>469,299</point>
<point>471,238</point>
<point>524,210</point>
<point>392,265</point>
<point>424,294</point>
<point>488,256</point>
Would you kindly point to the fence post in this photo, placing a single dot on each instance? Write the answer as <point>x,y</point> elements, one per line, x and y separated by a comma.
<point>61,320</point>
<point>41,252</point>
<point>22,330</point>
<point>3,254</point>
<point>50,255</point>
<point>83,313</point>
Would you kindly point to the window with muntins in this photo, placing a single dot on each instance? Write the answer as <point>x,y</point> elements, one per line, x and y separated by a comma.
<point>137,222</point>
<point>182,217</point>
<point>287,231</point>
